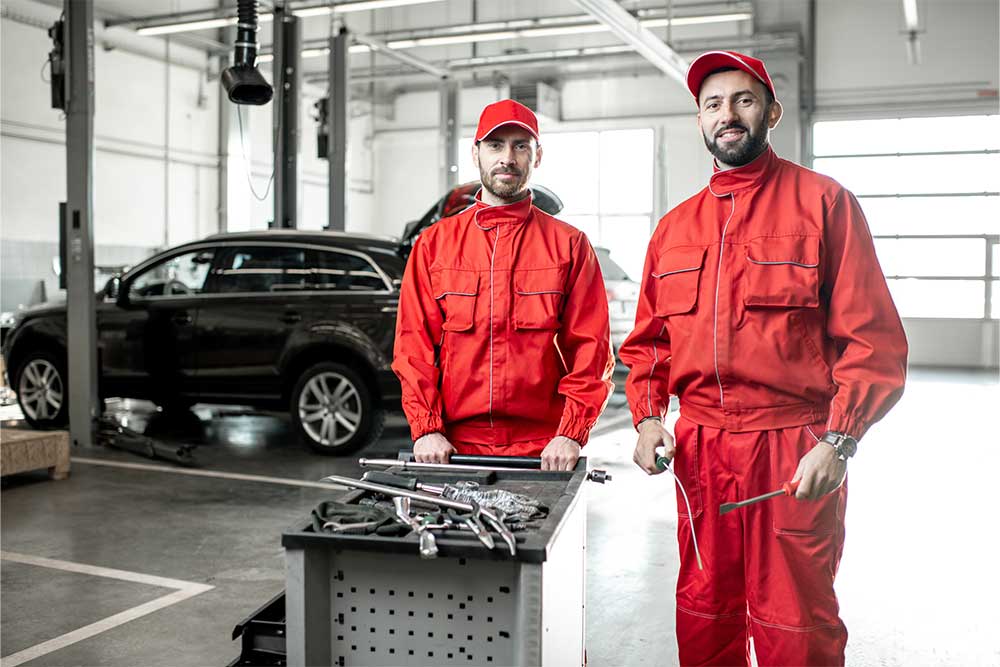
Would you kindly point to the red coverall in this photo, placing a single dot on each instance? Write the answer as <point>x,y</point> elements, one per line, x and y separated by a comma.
<point>764,309</point>
<point>502,338</point>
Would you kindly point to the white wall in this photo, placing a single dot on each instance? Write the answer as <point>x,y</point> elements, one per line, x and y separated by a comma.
<point>862,66</point>
<point>154,184</point>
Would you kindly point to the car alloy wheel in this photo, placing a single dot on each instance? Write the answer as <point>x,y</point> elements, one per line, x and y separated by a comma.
<point>330,409</point>
<point>41,390</point>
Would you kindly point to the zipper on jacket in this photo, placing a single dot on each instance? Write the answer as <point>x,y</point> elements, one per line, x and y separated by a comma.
<point>718,280</point>
<point>493,256</point>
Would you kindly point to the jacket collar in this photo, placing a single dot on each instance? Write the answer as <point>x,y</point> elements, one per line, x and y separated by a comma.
<point>723,183</point>
<point>488,217</point>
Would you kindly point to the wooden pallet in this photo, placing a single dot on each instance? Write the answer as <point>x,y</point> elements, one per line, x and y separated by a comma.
<point>22,450</point>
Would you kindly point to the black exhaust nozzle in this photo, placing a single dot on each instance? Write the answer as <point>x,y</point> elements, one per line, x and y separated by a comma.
<point>243,83</point>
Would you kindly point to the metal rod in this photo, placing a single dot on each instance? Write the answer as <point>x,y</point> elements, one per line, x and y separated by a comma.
<point>391,491</point>
<point>408,465</point>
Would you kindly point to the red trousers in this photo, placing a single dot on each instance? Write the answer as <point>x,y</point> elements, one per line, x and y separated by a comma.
<point>769,567</point>
<point>526,448</point>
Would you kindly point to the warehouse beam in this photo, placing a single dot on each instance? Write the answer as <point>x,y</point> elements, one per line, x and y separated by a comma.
<point>287,74</point>
<point>450,129</point>
<point>645,43</point>
<point>81,391</point>
<point>405,58</point>
<point>337,131</point>
<point>205,19</point>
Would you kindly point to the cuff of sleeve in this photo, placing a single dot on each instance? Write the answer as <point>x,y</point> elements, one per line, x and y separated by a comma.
<point>851,425</point>
<point>423,425</point>
<point>575,429</point>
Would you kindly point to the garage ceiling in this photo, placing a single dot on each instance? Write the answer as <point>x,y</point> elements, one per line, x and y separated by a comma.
<point>516,40</point>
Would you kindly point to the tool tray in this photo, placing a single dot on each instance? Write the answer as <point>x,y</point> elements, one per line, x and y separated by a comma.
<point>555,490</point>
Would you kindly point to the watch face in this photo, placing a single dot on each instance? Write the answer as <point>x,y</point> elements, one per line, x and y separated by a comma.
<point>849,445</point>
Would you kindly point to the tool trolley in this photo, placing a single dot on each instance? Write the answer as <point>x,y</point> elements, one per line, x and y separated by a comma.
<point>370,599</point>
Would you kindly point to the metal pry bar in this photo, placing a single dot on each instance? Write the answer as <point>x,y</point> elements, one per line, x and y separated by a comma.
<point>392,492</point>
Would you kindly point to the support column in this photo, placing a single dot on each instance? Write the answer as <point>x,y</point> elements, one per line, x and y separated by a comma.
<point>337,117</point>
<point>450,128</point>
<point>81,391</point>
<point>287,82</point>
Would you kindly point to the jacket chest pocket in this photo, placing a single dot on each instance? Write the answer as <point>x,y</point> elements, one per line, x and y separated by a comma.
<point>677,273</point>
<point>782,272</point>
<point>538,298</point>
<point>456,292</point>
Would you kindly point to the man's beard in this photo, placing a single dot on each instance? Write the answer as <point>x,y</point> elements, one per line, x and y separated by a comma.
<point>507,190</point>
<point>743,151</point>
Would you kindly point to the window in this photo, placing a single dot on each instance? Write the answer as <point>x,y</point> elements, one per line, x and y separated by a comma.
<point>260,269</point>
<point>180,275</point>
<point>930,189</point>
<point>343,272</point>
<point>605,180</point>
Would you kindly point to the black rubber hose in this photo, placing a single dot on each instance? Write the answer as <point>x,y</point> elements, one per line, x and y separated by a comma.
<point>246,33</point>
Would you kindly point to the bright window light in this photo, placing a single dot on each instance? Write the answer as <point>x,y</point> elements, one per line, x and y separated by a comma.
<point>612,205</point>
<point>956,192</point>
<point>932,257</point>
<point>932,215</point>
<point>906,135</point>
<point>958,299</point>
<point>914,174</point>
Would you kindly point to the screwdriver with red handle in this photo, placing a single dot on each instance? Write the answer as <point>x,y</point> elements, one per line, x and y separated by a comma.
<point>787,489</point>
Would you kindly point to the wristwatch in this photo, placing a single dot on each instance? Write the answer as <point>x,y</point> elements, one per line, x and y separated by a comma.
<point>845,445</point>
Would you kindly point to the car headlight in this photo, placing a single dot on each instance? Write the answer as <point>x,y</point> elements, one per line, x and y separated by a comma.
<point>8,320</point>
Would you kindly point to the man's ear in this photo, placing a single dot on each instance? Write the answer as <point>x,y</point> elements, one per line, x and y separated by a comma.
<point>475,154</point>
<point>774,114</point>
<point>538,156</point>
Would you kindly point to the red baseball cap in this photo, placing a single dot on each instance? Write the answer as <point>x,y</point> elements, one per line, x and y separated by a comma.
<point>506,112</point>
<point>708,62</point>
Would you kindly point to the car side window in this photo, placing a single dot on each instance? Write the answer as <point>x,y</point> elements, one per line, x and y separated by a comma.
<point>344,272</point>
<point>260,269</point>
<point>180,275</point>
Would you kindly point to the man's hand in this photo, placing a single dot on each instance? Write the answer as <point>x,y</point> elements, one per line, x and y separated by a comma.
<point>432,448</point>
<point>560,454</point>
<point>820,472</point>
<point>652,435</point>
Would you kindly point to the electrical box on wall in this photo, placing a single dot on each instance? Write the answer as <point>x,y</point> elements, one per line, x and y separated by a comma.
<point>540,97</point>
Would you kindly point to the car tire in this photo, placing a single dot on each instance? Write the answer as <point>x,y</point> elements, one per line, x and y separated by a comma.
<point>333,410</point>
<point>42,390</point>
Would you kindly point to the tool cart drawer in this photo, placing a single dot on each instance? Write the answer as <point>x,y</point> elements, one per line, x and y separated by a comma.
<point>372,600</point>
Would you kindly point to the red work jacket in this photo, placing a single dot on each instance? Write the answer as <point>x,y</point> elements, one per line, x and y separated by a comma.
<point>763,306</point>
<point>502,334</point>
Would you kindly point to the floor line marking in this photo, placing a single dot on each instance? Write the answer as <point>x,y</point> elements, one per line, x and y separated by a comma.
<point>185,590</point>
<point>97,571</point>
<point>207,473</point>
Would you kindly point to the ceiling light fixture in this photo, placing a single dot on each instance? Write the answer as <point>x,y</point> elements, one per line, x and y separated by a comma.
<point>344,8</point>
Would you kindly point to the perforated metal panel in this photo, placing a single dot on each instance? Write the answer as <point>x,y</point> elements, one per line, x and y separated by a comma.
<point>407,611</point>
<point>371,600</point>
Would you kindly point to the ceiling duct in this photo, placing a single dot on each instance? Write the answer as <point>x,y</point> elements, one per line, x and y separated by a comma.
<point>540,97</point>
<point>243,82</point>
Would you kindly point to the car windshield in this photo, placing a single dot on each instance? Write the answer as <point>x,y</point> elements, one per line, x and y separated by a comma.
<point>609,267</point>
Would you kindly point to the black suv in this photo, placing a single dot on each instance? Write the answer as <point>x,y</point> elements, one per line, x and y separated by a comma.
<point>283,319</point>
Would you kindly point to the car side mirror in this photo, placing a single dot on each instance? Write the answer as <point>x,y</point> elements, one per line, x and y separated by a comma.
<point>111,288</point>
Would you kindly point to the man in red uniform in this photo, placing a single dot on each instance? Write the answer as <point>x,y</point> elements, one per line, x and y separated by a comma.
<point>502,339</point>
<point>764,309</point>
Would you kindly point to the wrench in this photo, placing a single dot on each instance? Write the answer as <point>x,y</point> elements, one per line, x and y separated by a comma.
<point>428,545</point>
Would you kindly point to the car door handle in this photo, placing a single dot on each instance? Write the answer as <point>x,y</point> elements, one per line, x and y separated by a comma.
<point>291,318</point>
<point>182,318</point>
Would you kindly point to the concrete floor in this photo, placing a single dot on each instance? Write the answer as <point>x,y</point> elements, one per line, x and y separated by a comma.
<point>918,582</point>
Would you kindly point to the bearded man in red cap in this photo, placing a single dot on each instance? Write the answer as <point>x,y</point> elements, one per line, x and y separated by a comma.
<point>502,338</point>
<point>764,309</point>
